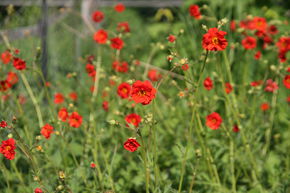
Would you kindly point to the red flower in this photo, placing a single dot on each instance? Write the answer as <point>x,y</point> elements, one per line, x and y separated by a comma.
<point>97,16</point>
<point>63,114</point>
<point>6,57</point>
<point>7,148</point>
<point>286,81</point>
<point>249,43</point>
<point>133,119</point>
<point>16,51</point>
<point>264,106</point>
<point>124,90</point>
<point>171,38</point>
<point>228,88</point>
<point>184,67</point>
<point>91,70</point>
<point>3,124</point>
<point>101,36</point>
<point>214,40</point>
<point>75,120</point>
<point>272,29</point>
<point>38,190</point>
<point>247,24</point>
<point>105,105</point>
<point>73,96</point>
<point>259,23</point>
<point>194,11</point>
<point>283,44</point>
<point>117,43</point>
<point>19,64</point>
<point>153,75</point>
<point>143,92</point>
<point>47,130</point>
<point>93,165</point>
<point>131,144</point>
<point>233,25</point>
<point>213,121</point>
<point>120,66</point>
<point>256,83</point>
<point>208,84</point>
<point>47,84</point>
<point>58,98</point>
<point>119,7</point>
<point>271,86</point>
<point>258,55</point>
<point>123,27</point>
<point>12,78</point>
<point>4,85</point>
<point>236,129</point>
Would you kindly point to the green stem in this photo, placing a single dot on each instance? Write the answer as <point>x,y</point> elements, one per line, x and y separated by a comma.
<point>146,170</point>
<point>234,108</point>
<point>34,101</point>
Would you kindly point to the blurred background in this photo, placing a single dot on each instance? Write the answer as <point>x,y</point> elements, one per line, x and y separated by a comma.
<point>60,28</point>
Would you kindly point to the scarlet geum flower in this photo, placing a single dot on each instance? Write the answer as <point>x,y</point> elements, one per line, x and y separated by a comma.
<point>91,70</point>
<point>213,121</point>
<point>75,120</point>
<point>92,165</point>
<point>119,7</point>
<point>6,57</point>
<point>249,43</point>
<point>38,190</point>
<point>47,130</point>
<point>143,92</point>
<point>73,96</point>
<point>258,55</point>
<point>236,129</point>
<point>286,81</point>
<point>7,148</point>
<point>264,106</point>
<point>105,106</point>
<point>131,145</point>
<point>194,11</point>
<point>133,119</point>
<point>272,29</point>
<point>256,83</point>
<point>185,67</point>
<point>58,98</point>
<point>214,40</point>
<point>63,114</point>
<point>3,124</point>
<point>97,16</point>
<point>228,87</point>
<point>259,23</point>
<point>154,75</point>
<point>19,64</point>
<point>4,85</point>
<point>123,27</point>
<point>124,90</point>
<point>120,66</point>
<point>101,36</point>
<point>117,43</point>
<point>233,25</point>
<point>171,38</point>
<point>12,78</point>
<point>271,86</point>
<point>208,83</point>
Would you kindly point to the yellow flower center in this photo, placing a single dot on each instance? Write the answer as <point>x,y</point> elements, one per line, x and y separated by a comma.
<point>215,40</point>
